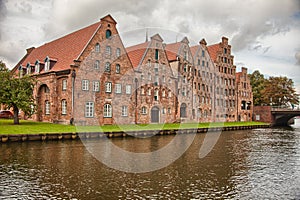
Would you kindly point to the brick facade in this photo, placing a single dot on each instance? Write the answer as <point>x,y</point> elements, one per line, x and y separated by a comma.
<point>88,78</point>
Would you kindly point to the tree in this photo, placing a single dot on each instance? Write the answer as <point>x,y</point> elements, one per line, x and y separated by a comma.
<point>16,93</point>
<point>280,91</point>
<point>257,81</point>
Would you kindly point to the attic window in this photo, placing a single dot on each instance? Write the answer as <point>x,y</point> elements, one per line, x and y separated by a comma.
<point>47,64</point>
<point>156,54</point>
<point>108,34</point>
<point>37,67</point>
<point>28,68</point>
<point>20,71</point>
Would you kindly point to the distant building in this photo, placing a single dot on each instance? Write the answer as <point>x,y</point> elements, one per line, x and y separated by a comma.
<point>88,77</point>
<point>244,96</point>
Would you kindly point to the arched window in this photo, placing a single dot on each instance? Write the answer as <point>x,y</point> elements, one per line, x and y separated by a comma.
<point>118,69</point>
<point>183,110</point>
<point>107,110</point>
<point>107,67</point>
<point>107,33</point>
<point>64,107</point>
<point>97,47</point>
<point>97,64</point>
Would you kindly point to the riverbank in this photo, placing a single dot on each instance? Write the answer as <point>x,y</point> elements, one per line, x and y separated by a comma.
<point>39,131</point>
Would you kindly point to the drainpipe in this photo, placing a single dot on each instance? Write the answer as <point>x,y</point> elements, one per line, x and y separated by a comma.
<point>73,93</point>
<point>136,99</point>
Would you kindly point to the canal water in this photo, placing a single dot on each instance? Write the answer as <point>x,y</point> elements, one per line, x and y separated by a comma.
<point>250,164</point>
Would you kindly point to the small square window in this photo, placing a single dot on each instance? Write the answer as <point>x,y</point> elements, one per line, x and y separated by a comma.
<point>108,87</point>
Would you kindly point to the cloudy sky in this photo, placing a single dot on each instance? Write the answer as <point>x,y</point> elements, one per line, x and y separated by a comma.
<point>264,34</point>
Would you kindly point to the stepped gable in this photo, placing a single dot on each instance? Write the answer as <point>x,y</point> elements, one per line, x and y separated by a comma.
<point>63,50</point>
<point>136,53</point>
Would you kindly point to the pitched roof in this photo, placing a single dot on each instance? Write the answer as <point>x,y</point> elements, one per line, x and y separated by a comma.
<point>136,53</point>
<point>63,50</point>
<point>194,49</point>
<point>213,51</point>
<point>172,50</point>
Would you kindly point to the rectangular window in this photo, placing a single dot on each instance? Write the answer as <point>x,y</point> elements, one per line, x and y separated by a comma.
<point>128,89</point>
<point>199,61</point>
<point>96,86</point>
<point>47,107</point>
<point>203,53</point>
<point>89,109</point>
<point>118,69</point>
<point>85,85</point>
<point>156,54</point>
<point>64,84</point>
<point>118,88</point>
<point>108,50</point>
<point>118,52</point>
<point>63,107</point>
<point>124,111</point>
<point>108,87</point>
<point>203,63</point>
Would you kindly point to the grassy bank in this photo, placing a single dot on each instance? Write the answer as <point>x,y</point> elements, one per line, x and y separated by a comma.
<point>31,127</point>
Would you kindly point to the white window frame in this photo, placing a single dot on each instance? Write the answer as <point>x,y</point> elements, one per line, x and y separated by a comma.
<point>107,111</point>
<point>47,107</point>
<point>108,50</point>
<point>89,109</point>
<point>156,95</point>
<point>118,88</point>
<point>144,110</point>
<point>47,65</point>
<point>37,68</point>
<point>108,87</point>
<point>64,107</point>
<point>97,64</point>
<point>97,47</point>
<point>124,112</point>
<point>128,89</point>
<point>118,52</point>
<point>64,84</point>
<point>85,85</point>
<point>96,86</point>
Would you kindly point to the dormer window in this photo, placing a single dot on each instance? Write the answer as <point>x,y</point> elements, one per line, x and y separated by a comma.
<point>37,67</point>
<point>20,71</point>
<point>47,64</point>
<point>28,69</point>
<point>108,34</point>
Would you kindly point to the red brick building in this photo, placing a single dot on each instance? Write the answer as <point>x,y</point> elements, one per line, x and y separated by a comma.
<point>88,77</point>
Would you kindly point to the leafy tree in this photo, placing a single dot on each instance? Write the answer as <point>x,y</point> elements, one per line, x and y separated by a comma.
<point>280,91</point>
<point>257,81</point>
<point>16,93</point>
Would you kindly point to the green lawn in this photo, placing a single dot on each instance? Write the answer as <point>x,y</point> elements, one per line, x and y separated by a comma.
<point>31,127</point>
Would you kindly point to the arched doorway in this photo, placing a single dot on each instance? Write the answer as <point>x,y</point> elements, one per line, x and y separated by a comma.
<point>183,110</point>
<point>43,99</point>
<point>155,115</point>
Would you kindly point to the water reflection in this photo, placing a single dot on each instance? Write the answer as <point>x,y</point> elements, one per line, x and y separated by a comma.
<point>254,164</point>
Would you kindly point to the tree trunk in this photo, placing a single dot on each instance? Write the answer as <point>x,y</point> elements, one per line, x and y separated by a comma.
<point>16,115</point>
